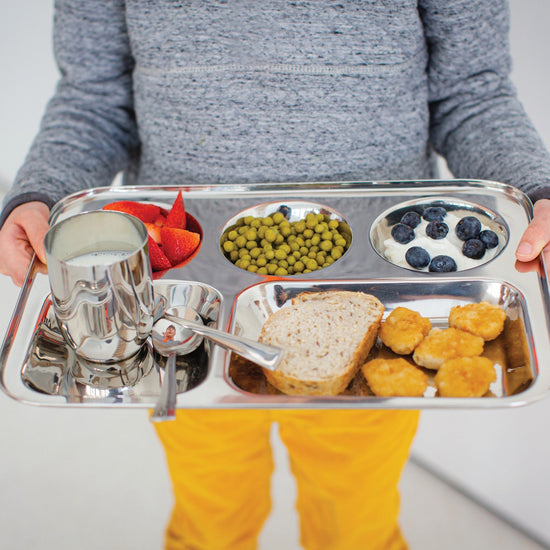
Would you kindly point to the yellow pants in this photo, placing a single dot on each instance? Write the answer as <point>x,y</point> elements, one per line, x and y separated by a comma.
<point>347,466</point>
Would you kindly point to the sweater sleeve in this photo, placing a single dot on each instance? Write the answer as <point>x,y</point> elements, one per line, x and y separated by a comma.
<point>88,129</point>
<point>477,121</point>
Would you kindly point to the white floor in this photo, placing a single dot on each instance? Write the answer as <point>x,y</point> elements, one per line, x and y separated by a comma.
<point>96,479</point>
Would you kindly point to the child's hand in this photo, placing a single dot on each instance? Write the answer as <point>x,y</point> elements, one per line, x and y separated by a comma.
<point>21,236</point>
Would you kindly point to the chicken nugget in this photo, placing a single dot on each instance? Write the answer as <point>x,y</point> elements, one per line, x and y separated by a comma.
<point>443,344</point>
<point>482,319</point>
<point>403,330</point>
<point>465,377</point>
<point>394,378</point>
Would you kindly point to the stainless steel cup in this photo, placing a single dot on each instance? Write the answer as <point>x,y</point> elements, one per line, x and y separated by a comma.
<point>100,278</point>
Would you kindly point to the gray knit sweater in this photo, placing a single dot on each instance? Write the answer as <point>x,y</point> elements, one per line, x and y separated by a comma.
<point>217,91</point>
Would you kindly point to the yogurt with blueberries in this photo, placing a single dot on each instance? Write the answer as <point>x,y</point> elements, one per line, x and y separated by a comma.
<point>438,240</point>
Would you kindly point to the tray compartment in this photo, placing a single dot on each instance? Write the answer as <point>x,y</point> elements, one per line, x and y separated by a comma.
<point>310,243</point>
<point>513,355</point>
<point>52,368</point>
<point>380,232</point>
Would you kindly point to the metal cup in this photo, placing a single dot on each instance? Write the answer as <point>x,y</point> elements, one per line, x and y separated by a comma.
<point>100,278</point>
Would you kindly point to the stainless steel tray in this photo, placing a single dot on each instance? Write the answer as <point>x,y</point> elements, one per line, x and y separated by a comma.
<point>243,300</point>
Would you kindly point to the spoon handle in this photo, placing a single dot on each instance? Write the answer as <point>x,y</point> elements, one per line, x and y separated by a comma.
<point>165,408</point>
<point>262,354</point>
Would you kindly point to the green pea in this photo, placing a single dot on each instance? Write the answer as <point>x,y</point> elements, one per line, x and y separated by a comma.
<point>278,217</point>
<point>326,245</point>
<point>300,226</point>
<point>299,266</point>
<point>320,227</point>
<point>340,241</point>
<point>255,252</point>
<point>270,235</point>
<point>228,246</point>
<point>280,254</point>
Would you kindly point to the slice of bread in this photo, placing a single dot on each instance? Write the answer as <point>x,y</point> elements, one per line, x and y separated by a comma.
<point>326,337</point>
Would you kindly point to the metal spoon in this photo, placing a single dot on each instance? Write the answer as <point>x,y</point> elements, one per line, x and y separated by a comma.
<point>181,331</point>
<point>165,409</point>
<point>169,339</point>
<point>191,325</point>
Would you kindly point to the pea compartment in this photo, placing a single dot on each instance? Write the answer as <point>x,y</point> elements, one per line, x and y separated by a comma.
<point>285,239</point>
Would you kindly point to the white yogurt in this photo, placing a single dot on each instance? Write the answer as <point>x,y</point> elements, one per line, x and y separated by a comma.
<point>451,245</point>
<point>100,257</point>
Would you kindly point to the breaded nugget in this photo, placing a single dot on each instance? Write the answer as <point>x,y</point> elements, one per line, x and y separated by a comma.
<point>443,344</point>
<point>403,330</point>
<point>465,377</point>
<point>394,378</point>
<point>482,319</point>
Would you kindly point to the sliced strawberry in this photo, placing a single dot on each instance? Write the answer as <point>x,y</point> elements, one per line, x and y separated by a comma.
<point>154,231</point>
<point>159,261</point>
<point>178,244</point>
<point>144,211</point>
<point>176,217</point>
<point>160,221</point>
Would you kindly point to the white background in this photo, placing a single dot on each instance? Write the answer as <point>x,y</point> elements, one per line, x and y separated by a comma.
<point>501,457</point>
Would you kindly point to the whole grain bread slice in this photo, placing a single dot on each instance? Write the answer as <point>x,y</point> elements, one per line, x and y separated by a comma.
<point>326,337</point>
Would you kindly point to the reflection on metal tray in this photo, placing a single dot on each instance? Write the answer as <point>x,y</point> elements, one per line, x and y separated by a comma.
<point>511,352</point>
<point>52,368</point>
<point>35,369</point>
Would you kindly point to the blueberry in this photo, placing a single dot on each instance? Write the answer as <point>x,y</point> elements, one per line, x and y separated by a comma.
<point>417,257</point>
<point>284,210</point>
<point>411,218</point>
<point>437,230</point>
<point>473,248</point>
<point>490,238</point>
<point>442,264</point>
<point>434,213</point>
<point>402,233</point>
<point>468,228</point>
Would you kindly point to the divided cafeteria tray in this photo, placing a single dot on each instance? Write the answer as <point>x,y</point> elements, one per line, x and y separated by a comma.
<point>38,368</point>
